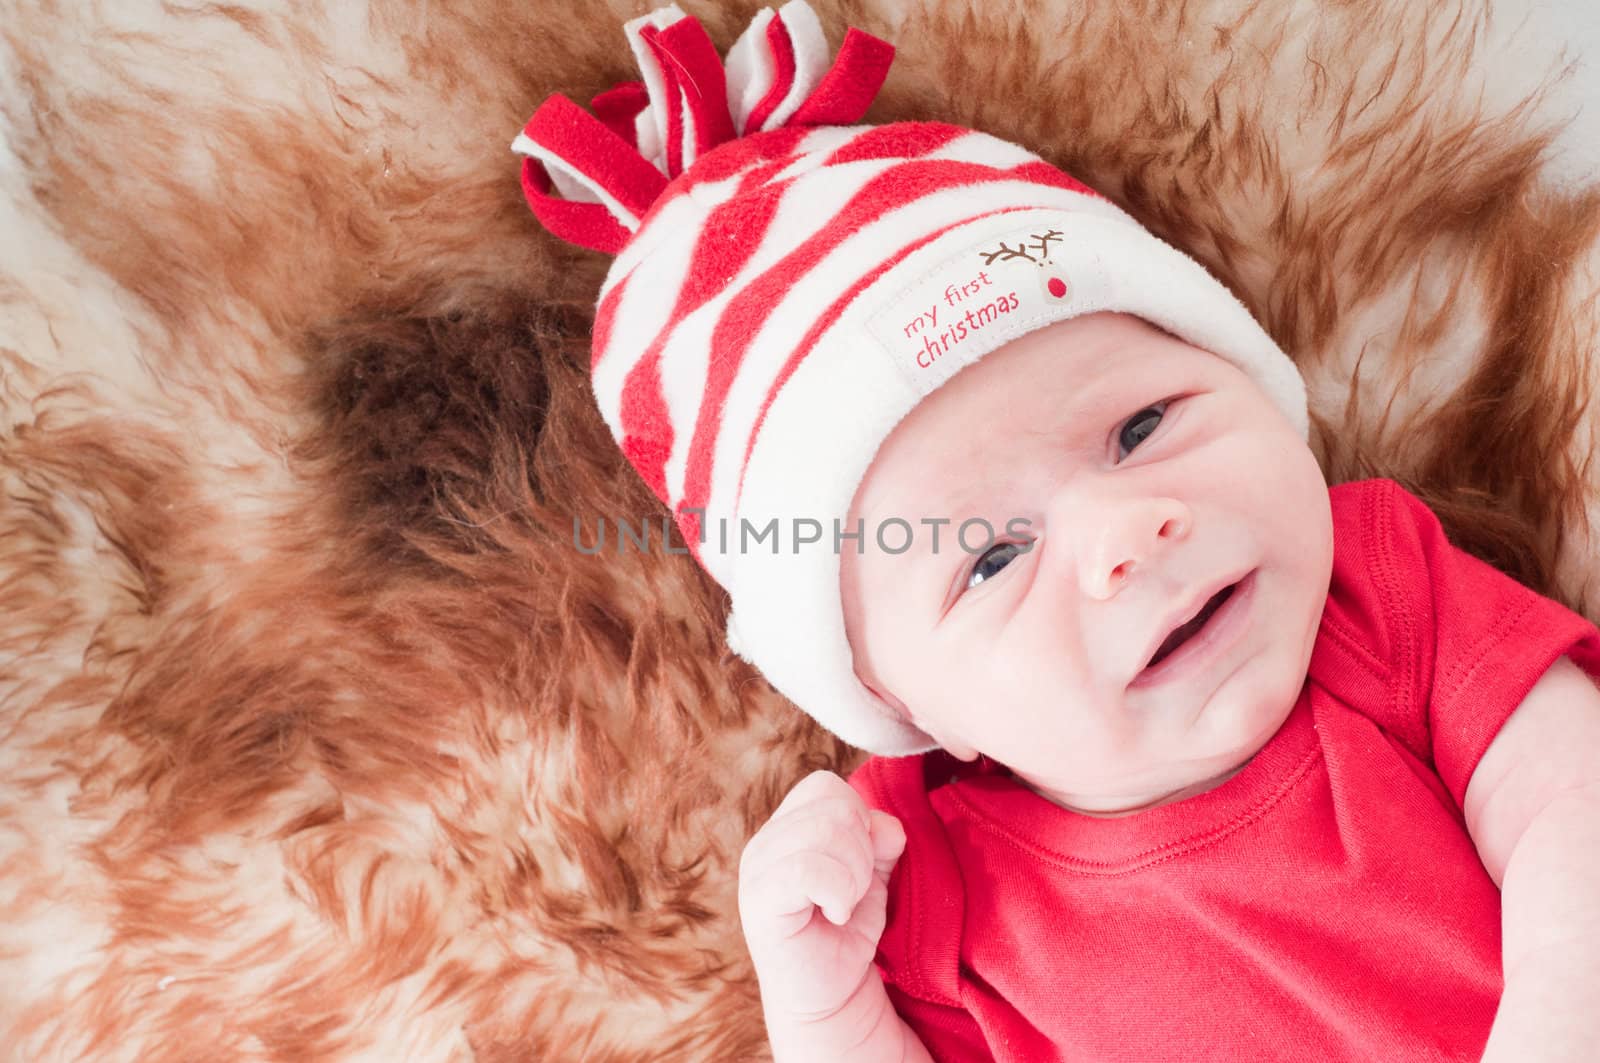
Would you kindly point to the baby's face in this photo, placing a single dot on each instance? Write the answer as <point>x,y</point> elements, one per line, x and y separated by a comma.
<point>1152,475</point>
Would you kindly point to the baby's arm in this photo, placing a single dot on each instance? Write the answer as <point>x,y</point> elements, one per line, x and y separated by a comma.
<point>813,889</point>
<point>1532,807</point>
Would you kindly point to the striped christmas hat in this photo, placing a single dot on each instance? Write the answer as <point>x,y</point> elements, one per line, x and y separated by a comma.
<point>788,285</point>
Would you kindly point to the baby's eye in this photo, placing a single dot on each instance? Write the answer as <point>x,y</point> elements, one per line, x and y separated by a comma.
<point>1139,427</point>
<point>991,561</point>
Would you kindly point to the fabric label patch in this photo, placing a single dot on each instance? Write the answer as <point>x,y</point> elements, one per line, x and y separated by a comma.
<point>1004,283</point>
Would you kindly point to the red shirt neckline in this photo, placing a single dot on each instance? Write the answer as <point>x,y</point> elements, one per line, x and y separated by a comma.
<point>996,801</point>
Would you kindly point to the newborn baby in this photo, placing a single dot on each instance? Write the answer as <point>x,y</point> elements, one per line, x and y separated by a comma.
<point>1182,754</point>
<point>1150,858</point>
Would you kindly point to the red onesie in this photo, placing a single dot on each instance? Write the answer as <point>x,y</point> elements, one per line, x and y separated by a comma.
<point>1326,903</point>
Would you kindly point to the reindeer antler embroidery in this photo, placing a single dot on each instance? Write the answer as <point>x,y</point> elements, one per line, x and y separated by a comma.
<point>610,166</point>
<point>1041,244</point>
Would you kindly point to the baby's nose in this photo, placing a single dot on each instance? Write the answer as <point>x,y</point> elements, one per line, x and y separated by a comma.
<point>1133,532</point>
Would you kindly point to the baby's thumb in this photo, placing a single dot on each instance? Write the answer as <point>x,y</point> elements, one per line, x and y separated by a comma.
<point>888,840</point>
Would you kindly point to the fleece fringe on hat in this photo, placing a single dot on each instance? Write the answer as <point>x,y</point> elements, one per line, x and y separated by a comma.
<point>788,285</point>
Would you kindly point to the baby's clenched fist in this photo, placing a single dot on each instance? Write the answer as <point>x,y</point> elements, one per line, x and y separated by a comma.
<point>813,888</point>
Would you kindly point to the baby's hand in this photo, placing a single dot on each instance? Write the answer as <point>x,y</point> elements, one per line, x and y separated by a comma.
<point>813,888</point>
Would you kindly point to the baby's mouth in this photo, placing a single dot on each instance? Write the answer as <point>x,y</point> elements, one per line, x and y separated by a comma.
<point>1184,632</point>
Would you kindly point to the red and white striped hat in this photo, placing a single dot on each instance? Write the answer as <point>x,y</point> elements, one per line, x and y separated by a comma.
<point>788,285</point>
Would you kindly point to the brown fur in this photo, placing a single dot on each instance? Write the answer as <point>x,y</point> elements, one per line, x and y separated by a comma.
<point>318,738</point>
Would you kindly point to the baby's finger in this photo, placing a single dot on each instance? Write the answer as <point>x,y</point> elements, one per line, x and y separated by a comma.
<point>787,893</point>
<point>823,828</point>
<point>888,840</point>
<point>818,786</point>
<point>846,811</point>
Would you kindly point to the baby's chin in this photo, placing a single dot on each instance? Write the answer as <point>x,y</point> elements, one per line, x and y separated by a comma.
<point>1254,709</point>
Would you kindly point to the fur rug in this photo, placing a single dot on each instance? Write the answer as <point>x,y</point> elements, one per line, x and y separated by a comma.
<point>318,738</point>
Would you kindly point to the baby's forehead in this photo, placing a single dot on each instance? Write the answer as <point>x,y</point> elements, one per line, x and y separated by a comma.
<point>970,423</point>
<point>1054,388</point>
<point>1044,381</point>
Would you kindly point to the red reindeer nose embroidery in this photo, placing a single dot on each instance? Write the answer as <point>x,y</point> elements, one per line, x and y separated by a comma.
<point>1053,285</point>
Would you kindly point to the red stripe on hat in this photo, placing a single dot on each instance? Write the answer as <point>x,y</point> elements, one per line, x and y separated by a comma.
<point>647,430</point>
<point>879,144</point>
<point>902,140</point>
<point>779,146</point>
<point>761,175</point>
<point>848,88</point>
<point>731,340</point>
<point>604,316</point>
<point>783,77</point>
<point>1042,173</point>
<point>780,150</point>
<point>726,242</point>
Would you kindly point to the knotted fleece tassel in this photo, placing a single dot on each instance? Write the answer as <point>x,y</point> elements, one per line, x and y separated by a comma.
<point>610,166</point>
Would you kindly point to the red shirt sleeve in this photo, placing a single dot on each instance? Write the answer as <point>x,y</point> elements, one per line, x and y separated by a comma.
<point>1435,646</point>
<point>950,1034</point>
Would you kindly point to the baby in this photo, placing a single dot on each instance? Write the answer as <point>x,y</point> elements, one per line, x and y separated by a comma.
<point>1222,825</point>
<point>1182,753</point>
